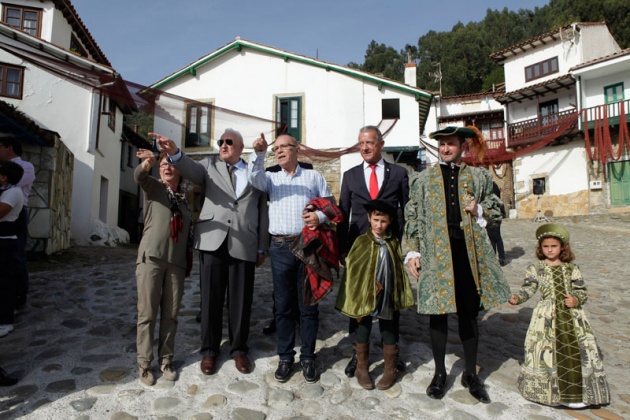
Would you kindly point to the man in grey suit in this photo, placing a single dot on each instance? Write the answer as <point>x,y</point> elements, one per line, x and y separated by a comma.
<point>232,237</point>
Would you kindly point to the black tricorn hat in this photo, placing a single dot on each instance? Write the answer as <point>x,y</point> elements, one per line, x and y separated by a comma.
<point>464,132</point>
<point>381,206</point>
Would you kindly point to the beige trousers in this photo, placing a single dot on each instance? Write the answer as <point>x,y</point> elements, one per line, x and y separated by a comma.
<point>160,286</point>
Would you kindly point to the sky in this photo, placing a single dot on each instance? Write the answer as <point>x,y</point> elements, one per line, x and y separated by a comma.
<point>146,40</point>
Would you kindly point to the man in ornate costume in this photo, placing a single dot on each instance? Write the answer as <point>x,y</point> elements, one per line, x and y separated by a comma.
<point>448,250</point>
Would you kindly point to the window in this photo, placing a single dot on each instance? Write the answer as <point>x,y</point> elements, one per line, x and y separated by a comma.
<point>538,185</point>
<point>11,81</point>
<point>390,109</point>
<point>130,156</point>
<point>613,93</point>
<point>496,130</point>
<point>542,69</point>
<point>26,19</point>
<point>548,111</point>
<point>75,46</point>
<point>102,207</point>
<point>289,117</point>
<point>109,109</point>
<point>198,125</point>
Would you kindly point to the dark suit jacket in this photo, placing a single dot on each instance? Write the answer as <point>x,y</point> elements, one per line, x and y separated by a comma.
<point>244,220</point>
<point>354,194</point>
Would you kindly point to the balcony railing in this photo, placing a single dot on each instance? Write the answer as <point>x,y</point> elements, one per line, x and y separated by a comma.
<point>612,111</point>
<point>495,147</point>
<point>528,131</point>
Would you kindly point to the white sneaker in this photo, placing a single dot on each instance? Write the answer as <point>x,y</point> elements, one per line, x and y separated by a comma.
<point>5,329</point>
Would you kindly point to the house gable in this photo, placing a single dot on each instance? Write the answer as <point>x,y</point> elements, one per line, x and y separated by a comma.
<point>422,97</point>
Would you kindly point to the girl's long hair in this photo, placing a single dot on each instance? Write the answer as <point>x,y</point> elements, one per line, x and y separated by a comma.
<point>566,255</point>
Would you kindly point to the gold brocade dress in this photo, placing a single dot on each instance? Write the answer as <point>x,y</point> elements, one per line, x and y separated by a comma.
<point>562,363</point>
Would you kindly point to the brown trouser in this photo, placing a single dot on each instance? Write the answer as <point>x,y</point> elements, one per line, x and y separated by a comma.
<point>160,285</point>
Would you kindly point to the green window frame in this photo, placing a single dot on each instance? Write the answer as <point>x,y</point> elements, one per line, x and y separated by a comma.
<point>289,116</point>
<point>614,93</point>
<point>198,125</point>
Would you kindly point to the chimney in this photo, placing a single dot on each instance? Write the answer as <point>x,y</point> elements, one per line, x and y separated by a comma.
<point>410,74</point>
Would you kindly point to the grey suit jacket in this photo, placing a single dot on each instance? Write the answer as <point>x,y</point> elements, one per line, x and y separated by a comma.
<point>244,220</point>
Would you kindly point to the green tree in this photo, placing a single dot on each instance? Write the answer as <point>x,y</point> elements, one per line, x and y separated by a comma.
<point>143,120</point>
<point>462,55</point>
<point>383,59</point>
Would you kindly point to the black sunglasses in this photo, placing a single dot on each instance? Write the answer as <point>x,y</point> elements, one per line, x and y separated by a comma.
<point>229,142</point>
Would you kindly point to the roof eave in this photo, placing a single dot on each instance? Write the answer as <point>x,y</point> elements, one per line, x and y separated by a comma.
<point>238,45</point>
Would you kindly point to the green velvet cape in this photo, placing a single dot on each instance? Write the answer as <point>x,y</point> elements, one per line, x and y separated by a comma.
<point>357,292</point>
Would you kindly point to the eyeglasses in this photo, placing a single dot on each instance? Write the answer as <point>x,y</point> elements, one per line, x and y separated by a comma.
<point>282,146</point>
<point>165,165</point>
<point>229,142</point>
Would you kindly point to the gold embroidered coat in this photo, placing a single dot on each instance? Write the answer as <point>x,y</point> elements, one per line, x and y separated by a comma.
<point>426,231</point>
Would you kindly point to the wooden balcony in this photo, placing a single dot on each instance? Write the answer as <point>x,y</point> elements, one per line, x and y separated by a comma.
<point>495,147</point>
<point>611,111</point>
<point>529,131</point>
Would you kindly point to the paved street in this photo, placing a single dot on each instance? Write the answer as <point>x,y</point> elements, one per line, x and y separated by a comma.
<point>73,347</point>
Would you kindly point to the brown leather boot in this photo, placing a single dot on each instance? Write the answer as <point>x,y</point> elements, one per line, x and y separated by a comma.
<point>389,374</point>
<point>362,372</point>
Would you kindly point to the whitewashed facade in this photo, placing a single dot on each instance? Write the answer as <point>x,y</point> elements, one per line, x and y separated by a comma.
<point>540,101</point>
<point>603,87</point>
<point>326,103</point>
<point>78,113</point>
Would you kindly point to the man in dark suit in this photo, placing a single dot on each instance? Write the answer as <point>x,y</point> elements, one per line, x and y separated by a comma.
<point>374,178</point>
<point>232,236</point>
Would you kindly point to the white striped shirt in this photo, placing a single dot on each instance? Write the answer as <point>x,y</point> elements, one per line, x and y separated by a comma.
<point>288,194</point>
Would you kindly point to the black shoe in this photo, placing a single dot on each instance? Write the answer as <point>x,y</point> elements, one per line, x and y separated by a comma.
<point>6,380</point>
<point>475,387</point>
<point>309,371</point>
<point>437,386</point>
<point>198,318</point>
<point>284,370</point>
<point>352,366</point>
<point>271,328</point>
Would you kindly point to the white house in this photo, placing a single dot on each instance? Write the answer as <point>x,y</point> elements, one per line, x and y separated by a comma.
<point>322,105</point>
<point>57,75</point>
<point>542,108</point>
<point>603,87</point>
<point>484,112</point>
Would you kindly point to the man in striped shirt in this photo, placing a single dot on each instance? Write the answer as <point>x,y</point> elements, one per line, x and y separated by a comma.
<point>290,190</point>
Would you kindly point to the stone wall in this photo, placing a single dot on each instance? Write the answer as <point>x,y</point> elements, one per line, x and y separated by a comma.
<point>50,200</point>
<point>329,169</point>
<point>574,204</point>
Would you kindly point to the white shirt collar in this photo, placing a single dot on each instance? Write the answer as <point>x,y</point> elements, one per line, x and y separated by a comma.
<point>380,164</point>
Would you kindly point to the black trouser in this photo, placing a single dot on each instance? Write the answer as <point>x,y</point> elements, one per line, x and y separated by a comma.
<point>221,273</point>
<point>8,279</point>
<point>494,234</point>
<point>388,328</point>
<point>468,305</point>
<point>353,325</point>
<point>22,235</point>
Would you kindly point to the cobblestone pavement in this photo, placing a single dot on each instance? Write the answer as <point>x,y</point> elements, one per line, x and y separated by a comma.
<point>73,347</point>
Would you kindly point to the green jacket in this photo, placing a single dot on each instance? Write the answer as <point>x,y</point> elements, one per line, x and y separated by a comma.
<point>426,232</point>
<point>357,292</point>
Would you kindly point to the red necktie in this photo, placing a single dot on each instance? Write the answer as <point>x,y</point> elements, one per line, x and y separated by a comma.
<point>373,183</point>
